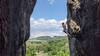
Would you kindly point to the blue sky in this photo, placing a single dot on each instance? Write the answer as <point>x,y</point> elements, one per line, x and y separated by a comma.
<point>47,17</point>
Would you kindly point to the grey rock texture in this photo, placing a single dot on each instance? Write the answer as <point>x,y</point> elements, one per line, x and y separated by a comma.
<point>87,16</point>
<point>14,26</point>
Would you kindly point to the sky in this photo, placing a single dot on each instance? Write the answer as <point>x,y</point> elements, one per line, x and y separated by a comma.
<point>47,17</point>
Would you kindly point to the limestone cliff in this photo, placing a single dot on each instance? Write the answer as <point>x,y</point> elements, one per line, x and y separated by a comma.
<point>86,13</point>
<point>14,26</point>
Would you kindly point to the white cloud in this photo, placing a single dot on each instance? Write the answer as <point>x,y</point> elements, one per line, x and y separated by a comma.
<point>51,2</point>
<point>46,27</point>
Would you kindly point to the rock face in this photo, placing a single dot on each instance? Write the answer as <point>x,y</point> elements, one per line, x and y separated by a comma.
<point>86,13</point>
<point>14,26</point>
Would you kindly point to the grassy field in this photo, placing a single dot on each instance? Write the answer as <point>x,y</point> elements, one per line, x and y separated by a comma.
<point>47,46</point>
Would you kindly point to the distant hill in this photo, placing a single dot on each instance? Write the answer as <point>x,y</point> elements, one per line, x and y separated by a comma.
<point>47,38</point>
<point>44,38</point>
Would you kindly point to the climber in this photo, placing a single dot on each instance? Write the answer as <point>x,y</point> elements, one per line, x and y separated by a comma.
<point>65,30</point>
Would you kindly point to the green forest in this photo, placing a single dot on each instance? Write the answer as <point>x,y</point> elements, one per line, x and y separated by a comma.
<point>47,46</point>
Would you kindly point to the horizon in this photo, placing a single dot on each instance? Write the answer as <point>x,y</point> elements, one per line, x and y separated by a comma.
<point>48,36</point>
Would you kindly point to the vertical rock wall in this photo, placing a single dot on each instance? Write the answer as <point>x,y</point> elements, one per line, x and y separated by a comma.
<point>87,16</point>
<point>14,26</point>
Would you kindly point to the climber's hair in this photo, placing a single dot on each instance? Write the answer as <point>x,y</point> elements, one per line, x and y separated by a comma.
<point>62,23</point>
